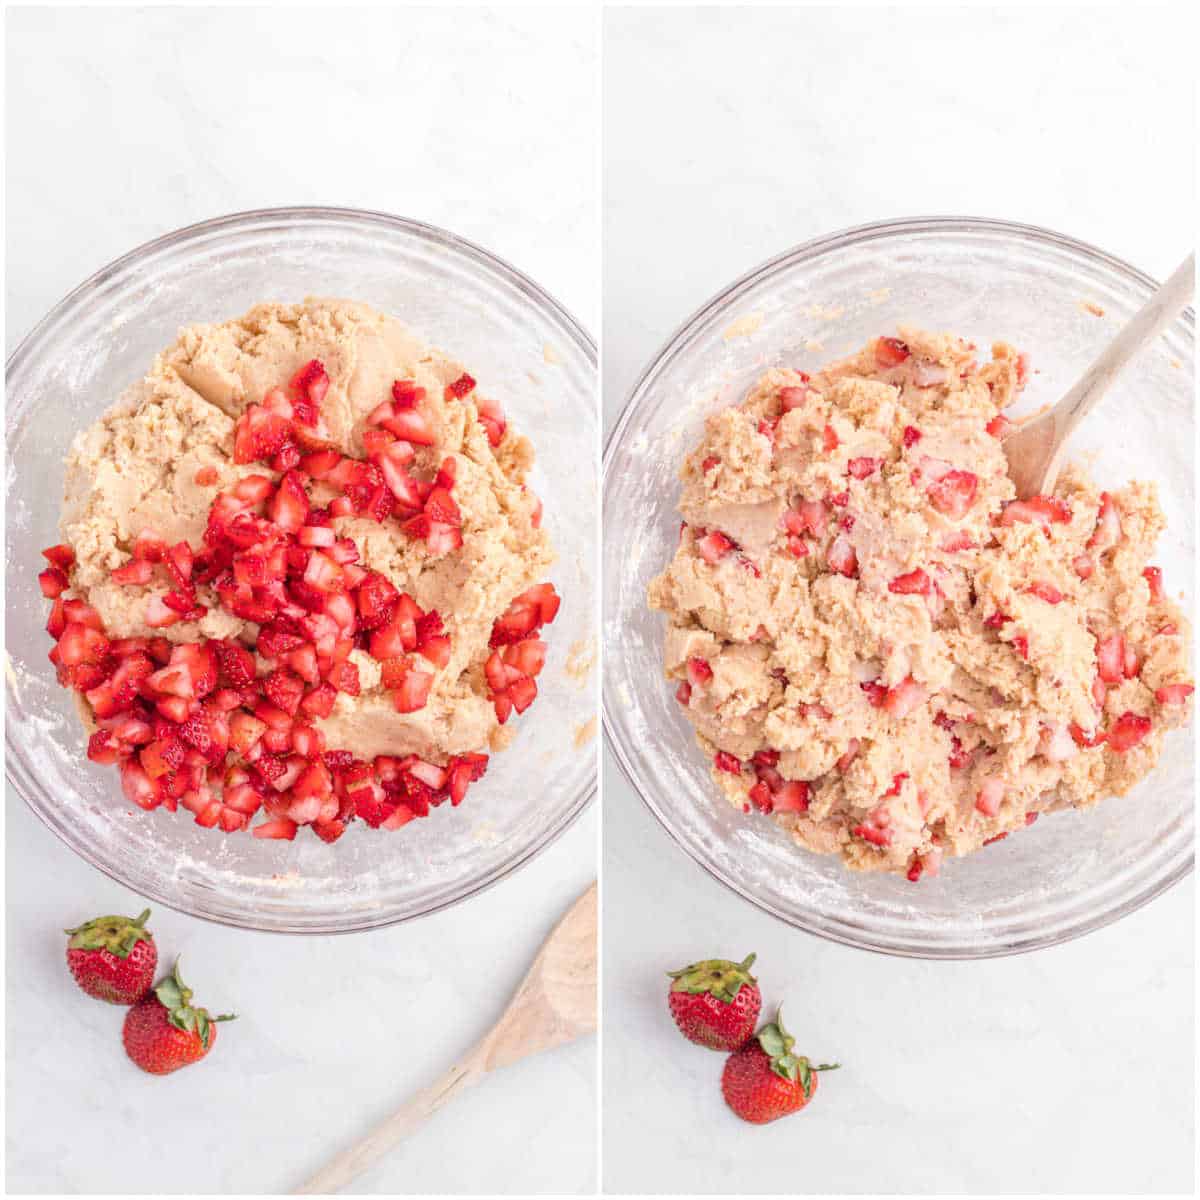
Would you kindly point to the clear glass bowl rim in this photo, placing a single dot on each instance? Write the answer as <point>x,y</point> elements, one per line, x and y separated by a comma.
<point>676,344</point>
<point>299,216</point>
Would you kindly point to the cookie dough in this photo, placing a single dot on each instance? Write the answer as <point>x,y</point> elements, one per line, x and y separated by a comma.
<point>162,454</point>
<point>878,645</point>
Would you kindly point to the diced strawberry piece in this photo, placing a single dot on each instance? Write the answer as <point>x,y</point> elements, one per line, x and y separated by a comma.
<point>1108,526</point>
<point>280,828</point>
<point>1083,566</point>
<point>492,419</point>
<point>726,762</point>
<point>1087,741</point>
<point>1045,591</point>
<point>53,582</point>
<point>1110,658</point>
<point>1128,730</point>
<point>876,693</point>
<point>842,557</point>
<point>138,786</point>
<point>1038,510</point>
<point>442,508</point>
<point>460,387</point>
<point>952,543</point>
<point>310,382</point>
<point>792,796</point>
<point>954,493</point>
<point>61,556</point>
<point>991,793</point>
<point>683,693</point>
<point>890,352</point>
<point>289,506</point>
<point>136,571</point>
<point>713,547</point>
<point>829,439</point>
<point>522,693</point>
<point>915,583</point>
<point>911,436</point>
<point>1153,577</point>
<point>103,747</point>
<point>870,832</point>
<point>904,698</point>
<point>159,615</point>
<point>699,673</point>
<point>412,690</point>
<point>999,426</point>
<point>259,434</point>
<point>405,393</point>
<point>411,426</point>
<point>81,643</point>
<point>864,468</point>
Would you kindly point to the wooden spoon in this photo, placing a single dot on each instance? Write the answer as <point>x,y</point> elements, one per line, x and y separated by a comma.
<point>1035,451</point>
<point>555,1003</point>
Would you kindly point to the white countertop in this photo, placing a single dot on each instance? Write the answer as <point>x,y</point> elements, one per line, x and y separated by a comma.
<point>1069,1070</point>
<point>123,125</point>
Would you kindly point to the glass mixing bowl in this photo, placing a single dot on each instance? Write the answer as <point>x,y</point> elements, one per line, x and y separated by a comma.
<point>988,280</point>
<point>522,346</point>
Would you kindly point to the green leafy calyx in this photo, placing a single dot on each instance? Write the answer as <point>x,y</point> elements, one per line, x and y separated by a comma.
<point>176,997</point>
<point>716,976</point>
<point>117,935</point>
<point>777,1044</point>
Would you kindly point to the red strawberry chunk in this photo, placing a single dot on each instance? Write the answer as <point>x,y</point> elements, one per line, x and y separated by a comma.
<point>954,493</point>
<point>864,468</point>
<point>890,352</point>
<point>61,556</point>
<point>904,698</point>
<point>713,547</point>
<point>1128,730</point>
<point>1038,510</point>
<point>726,762</point>
<point>1153,577</point>
<point>1110,658</point>
<point>991,793</point>
<point>911,436</point>
<point>915,583</point>
<point>842,557</point>
<point>1045,591</point>
<point>699,672</point>
<point>1174,693</point>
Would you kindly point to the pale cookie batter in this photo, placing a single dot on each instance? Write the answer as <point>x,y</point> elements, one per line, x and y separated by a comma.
<point>879,646</point>
<point>160,456</point>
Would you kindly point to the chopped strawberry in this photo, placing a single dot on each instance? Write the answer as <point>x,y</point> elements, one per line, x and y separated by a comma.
<point>904,698</point>
<point>792,796</point>
<point>1174,693</point>
<point>683,693</point>
<point>911,436</point>
<point>954,493</point>
<point>713,547</point>
<point>1108,526</point>
<point>61,556</point>
<point>952,543</point>
<point>999,426</point>
<point>864,468</point>
<point>1110,658</point>
<point>876,693</point>
<point>526,614</point>
<point>727,762</point>
<point>1128,730</point>
<point>699,673</point>
<point>890,352</point>
<point>991,793</point>
<point>1154,578</point>
<point>460,387</point>
<point>711,462</point>
<point>492,419</point>
<point>829,440</point>
<point>53,583</point>
<point>1038,510</point>
<point>842,558</point>
<point>1045,591</point>
<point>1087,741</point>
<point>915,583</point>
<point>1083,566</point>
<point>279,828</point>
<point>808,516</point>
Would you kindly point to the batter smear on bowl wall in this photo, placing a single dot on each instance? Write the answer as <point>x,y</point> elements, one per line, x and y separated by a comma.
<point>879,647</point>
<point>301,580</point>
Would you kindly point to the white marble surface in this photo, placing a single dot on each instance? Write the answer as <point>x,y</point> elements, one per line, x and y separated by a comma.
<point>728,138</point>
<point>125,124</point>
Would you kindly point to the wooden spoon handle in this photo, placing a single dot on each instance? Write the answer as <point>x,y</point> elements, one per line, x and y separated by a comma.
<point>390,1132</point>
<point>1146,324</point>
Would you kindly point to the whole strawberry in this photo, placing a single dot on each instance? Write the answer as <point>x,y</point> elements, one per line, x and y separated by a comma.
<point>764,1080</point>
<point>113,958</point>
<point>715,1003</point>
<point>164,1032</point>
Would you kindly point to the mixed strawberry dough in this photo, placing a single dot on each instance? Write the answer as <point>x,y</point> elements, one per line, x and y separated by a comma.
<point>884,650</point>
<point>301,577</point>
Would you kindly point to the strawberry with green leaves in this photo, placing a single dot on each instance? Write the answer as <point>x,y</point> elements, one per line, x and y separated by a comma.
<point>765,1080</point>
<point>164,1031</point>
<point>113,958</point>
<point>715,1003</point>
